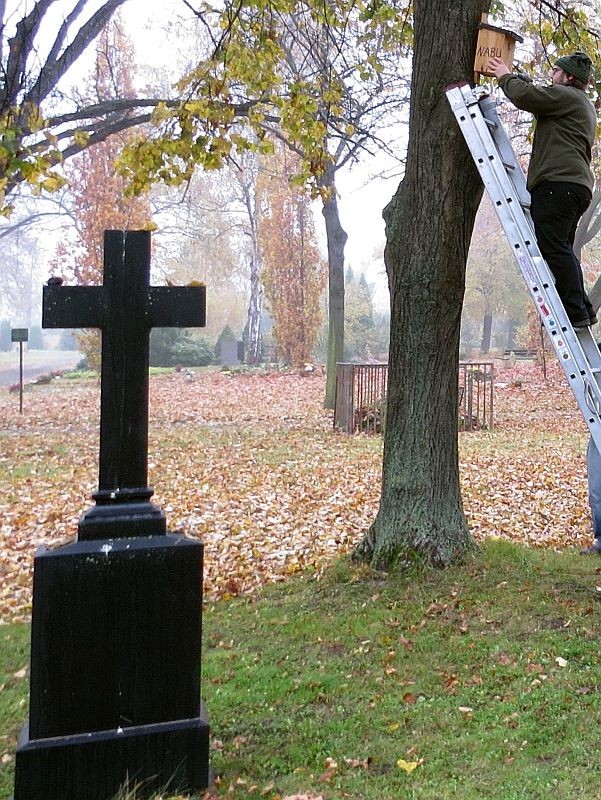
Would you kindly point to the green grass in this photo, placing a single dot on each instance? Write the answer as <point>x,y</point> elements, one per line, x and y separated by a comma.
<point>80,375</point>
<point>486,675</point>
<point>88,374</point>
<point>43,462</point>
<point>14,656</point>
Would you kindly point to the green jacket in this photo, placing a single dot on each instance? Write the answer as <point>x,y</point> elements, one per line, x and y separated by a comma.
<point>566,122</point>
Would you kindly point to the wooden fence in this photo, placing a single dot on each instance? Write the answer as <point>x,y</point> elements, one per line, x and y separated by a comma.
<point>360,402</point>
<point>476,395</point>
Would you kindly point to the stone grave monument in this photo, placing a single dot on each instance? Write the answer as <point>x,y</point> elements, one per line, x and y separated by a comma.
<point>116,620</point>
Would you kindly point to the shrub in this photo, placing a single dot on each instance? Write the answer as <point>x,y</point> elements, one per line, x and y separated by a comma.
<point>172,346</point>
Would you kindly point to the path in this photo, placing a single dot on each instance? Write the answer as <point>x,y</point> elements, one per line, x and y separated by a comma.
<point>35,363</point>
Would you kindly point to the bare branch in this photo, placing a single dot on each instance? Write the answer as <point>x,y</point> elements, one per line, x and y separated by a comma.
<point>63,30</point>
<point>54,69</point>
<point>122,105</point>
<point>19,48</point>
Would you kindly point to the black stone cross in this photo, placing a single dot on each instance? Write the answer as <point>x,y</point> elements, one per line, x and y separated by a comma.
<point>125,308</point>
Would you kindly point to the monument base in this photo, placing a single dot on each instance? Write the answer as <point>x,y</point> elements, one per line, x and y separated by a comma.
<point>96,766</point>
<point>115,671</point>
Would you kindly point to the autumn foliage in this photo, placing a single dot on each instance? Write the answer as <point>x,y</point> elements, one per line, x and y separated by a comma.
<point>251,465</point>
<point>294,274</point>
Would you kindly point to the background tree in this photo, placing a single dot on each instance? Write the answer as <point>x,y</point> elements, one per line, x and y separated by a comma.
<point>247,175</point>
<point>36,131</point>
<point>22,276</point>
<point>494,285</point>
<point>324,79</point>
<point>98,192</point>
<point>428,227</point>
<point>294,274</point>
<point>359,320</point>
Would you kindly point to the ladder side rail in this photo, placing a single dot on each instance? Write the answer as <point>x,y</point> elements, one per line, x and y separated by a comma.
<point>507,153</point>
<point>484,145</point>
<point>591,349</point>
<point>535,271</point>
<point>485,119</point>
<point>521,219</point>
<point>512,218</point>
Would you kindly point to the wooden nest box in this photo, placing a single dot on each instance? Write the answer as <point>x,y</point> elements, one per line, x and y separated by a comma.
<point>493,42</point>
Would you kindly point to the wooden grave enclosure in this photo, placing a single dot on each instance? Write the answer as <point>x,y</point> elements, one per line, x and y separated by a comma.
<point>360,396</point>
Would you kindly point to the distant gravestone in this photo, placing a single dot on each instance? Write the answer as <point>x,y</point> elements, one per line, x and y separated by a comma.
<point>231,353</point>
<point>116,620</point>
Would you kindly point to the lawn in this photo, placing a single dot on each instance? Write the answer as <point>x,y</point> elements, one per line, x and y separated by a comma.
<point>323,680</point>
<point>481,681</point>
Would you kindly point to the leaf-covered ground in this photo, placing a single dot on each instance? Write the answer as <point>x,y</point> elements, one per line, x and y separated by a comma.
<point>251,465</point>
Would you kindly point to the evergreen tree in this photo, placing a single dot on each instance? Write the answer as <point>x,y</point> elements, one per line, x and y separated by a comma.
<point>358,318</point>
<point>36,341</point>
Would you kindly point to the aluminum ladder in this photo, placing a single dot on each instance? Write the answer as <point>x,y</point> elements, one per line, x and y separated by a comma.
<point>504,180</point>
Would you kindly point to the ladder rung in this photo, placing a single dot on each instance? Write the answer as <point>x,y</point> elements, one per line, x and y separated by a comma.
<point>491,124</point>
<point>508,166</point>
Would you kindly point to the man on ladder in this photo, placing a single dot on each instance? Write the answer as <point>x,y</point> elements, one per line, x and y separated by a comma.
<point>560,180</point>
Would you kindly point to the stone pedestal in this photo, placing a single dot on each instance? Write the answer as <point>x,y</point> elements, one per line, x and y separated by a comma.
<point>115,671</point>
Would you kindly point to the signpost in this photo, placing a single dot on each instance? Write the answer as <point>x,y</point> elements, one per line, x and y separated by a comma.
<point>20,335</point>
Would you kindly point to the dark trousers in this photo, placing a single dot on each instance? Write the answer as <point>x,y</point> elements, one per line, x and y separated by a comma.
<point>556,209</point>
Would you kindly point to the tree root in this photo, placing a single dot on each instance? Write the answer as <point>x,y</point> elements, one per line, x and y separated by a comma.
<point>364,551</point>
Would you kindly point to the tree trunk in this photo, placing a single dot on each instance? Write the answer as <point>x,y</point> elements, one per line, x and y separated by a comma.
<point>255,301</point>
<point>255,309</point>
<point>589,224</point>
<point>336,238</point>
<point>486,332</point>
<point>595,295</point>
<point>513,327</point>
<point>429,223</point>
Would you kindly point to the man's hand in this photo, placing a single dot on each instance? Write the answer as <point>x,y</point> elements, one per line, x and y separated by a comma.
<point>497,67</point>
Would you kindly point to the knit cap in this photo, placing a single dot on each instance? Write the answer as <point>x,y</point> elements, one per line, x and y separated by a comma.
<point>578,64</point>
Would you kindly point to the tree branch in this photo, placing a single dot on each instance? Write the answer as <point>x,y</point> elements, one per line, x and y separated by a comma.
<point>63,30</point>
<point>55,68</point>
<point>19,48</point>
<point>108,107</point>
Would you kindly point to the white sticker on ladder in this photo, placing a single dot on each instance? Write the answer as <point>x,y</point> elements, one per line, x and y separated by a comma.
<point>527,269</point>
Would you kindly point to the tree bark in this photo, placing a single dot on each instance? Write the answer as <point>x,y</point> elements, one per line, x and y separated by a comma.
<point>589,225</point>
<point>486,332</point>
<point>336,238</point>
<point>254,344</point>
<point>429,223</point>
<point>254,348</point>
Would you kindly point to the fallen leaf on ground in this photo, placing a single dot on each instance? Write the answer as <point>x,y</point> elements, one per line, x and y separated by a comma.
<point>407,766</point>
<point>246,464</point>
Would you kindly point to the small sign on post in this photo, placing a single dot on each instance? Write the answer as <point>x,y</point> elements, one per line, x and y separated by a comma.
<point>20,335</point>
